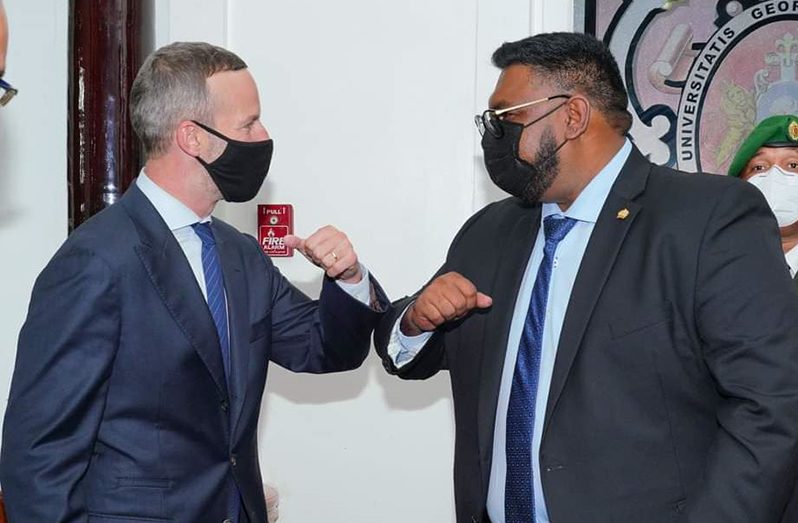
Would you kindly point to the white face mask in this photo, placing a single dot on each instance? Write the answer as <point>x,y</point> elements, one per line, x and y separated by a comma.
<point>781,191</point>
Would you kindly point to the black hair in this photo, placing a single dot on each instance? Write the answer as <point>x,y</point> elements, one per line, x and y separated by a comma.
<point>576,63</point>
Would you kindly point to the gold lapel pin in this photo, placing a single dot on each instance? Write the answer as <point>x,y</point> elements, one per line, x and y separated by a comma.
<point>623,214</point>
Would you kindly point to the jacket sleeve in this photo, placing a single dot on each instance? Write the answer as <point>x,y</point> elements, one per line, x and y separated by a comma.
<point>432,357</point>
<point>429,360</point>
<point>330,334</point>
<point>64,357</point>
<point>747,316</point>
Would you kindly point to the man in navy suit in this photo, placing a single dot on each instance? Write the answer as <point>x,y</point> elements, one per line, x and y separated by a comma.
<point>142,362</point>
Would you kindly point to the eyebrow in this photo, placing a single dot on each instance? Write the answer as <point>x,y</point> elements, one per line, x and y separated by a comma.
<point>252,119</point>
<point>762,151</point>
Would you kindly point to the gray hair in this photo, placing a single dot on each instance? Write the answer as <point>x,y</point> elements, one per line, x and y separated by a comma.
<point>171,87</point>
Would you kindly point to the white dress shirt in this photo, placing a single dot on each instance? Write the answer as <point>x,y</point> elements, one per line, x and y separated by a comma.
<point>179,218</point>
<point>792,260</point>
<point>568,257</point>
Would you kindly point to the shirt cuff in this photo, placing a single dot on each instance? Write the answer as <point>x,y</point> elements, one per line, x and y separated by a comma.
<point>403,349</point>
<point>361,291</point>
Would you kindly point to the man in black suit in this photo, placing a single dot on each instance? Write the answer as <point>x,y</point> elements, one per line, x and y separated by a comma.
<point>622,339</point>
<point>142,362</point>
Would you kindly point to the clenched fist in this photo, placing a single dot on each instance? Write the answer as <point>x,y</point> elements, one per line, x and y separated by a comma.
<point>329,249</point>
<point>449,297</point>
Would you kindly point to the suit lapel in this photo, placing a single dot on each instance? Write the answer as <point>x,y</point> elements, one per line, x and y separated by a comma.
<point>602,250</point>
<point>238,319</point>
<point>171,275</point>
<point>509,273</point>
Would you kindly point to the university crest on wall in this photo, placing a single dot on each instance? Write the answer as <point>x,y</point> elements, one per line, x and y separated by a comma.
<point>700,74</point>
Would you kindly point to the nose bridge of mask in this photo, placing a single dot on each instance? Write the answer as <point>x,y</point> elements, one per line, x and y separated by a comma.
<point>785,177</point>
<point>507,144</point>
<point>763,182</point>
<point>775,180</point>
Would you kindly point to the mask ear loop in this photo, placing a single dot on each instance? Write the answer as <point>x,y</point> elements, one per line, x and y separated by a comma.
<point>227,139</point>
<point>557,149</point>
<point>536,120</point>
<point>213,131</point>
<point>202,162</point>
<point>589,115</point>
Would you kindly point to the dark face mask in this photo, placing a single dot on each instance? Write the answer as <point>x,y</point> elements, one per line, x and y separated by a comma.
<point>240,170</point>
<point>514,175</point>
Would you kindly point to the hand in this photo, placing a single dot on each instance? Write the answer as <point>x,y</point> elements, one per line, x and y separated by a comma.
<point>329,249</point>
<point>449,297</point>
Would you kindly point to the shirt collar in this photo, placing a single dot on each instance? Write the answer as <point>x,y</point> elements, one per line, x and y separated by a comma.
<point>173,211</point>
<point>792,260</point>
<point>588,204</point>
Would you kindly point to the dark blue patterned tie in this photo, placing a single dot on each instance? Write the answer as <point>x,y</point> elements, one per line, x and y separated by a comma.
<point>217,303</point>
<point>519,499</point>
<point>214,287</point>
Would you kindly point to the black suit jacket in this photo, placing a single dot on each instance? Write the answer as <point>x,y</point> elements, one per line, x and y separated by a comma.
<point>674,395</point>
<point>119,407</point>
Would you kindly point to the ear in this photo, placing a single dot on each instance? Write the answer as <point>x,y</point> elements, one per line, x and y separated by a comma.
<point>578,111</point>
<point>190,138</point>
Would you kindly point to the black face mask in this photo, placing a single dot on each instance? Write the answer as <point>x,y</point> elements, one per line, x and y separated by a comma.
<point>240,170</point>
<point>511,173</point>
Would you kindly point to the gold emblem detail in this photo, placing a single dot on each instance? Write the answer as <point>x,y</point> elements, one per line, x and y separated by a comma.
<point>623,214</point>
<point>792,131</point>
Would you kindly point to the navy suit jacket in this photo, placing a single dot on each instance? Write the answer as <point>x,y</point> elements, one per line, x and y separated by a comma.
<point>674,396</point>
<point>119,407</point>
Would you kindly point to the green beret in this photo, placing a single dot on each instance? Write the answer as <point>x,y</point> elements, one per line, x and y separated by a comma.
<point>776,131</point>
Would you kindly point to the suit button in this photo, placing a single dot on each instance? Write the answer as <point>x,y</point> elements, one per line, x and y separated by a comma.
<point>228,520</point>
<point>233,460</point>
<point>225,405</point>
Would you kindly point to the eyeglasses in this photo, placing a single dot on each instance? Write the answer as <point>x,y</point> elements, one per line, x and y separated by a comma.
<point>491,118</point>
<point>6,92</point>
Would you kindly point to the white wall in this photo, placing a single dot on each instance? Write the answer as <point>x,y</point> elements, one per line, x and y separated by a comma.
<point>33,142</point>
<point>370,103</point>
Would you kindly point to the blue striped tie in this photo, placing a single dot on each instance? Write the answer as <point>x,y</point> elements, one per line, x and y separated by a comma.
<point>214,287</point>
<point>519,498</point>
<point>217,303</point>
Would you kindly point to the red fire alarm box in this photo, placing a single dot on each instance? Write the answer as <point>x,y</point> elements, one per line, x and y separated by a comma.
<point>275,221</point>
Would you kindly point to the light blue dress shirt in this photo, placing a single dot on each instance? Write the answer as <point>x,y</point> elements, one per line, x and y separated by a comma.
<point>565,267</point>
<point>179,218</point>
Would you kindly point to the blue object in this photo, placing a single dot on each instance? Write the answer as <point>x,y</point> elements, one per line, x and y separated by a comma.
<point>518,495</point>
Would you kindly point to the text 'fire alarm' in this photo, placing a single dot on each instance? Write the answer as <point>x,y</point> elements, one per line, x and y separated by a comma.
<point>275,221</point>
